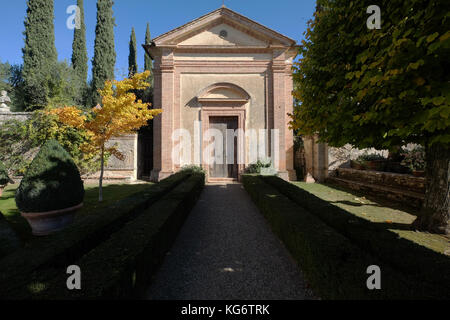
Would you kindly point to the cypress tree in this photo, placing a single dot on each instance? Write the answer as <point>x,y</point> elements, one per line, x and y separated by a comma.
<point>79,53</point>
<point>39,53</point>
<point>104,53</point>
<point>132,57</point>
<point>148,63</point>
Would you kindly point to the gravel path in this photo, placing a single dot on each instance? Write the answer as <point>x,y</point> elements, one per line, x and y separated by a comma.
<point>226,250</point>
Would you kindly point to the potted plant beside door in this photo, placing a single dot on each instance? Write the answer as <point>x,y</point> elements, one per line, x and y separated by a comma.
<point>51,191</point>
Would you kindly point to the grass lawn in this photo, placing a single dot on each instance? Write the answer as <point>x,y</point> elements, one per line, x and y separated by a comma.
<point>394,218</point>
<point>111,194</point>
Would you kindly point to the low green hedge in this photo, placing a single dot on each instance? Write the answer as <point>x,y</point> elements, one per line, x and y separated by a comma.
<point>23,270</point>
<point>122,266</point>
<point>335,267</point>
<point>407,256</point>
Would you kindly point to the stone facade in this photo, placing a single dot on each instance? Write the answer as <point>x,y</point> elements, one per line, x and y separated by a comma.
<point>222,64</point>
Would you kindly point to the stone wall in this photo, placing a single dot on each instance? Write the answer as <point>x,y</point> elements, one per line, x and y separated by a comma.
<point>395,180</point>
<point>340,157</point>
<point>21,116</point>
<point>316,158</point>
<point>125,169</point>
<point>400,188</point>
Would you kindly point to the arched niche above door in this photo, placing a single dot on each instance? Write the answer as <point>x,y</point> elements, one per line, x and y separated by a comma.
<point>225,94</point>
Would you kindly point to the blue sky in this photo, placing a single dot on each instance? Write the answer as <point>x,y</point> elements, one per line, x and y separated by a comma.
<point>288,17</point>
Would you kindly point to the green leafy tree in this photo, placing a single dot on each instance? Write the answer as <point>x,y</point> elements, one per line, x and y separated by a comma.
<point>80,57</point>
<point>5,73</point>
<point>39,53</point>
<point>132,57</point>
<point>104,51</point>
<point>381,88</point>
<point>64,89</point>
<point>147,94</point>
<point>17,83</point>
<point>148,63</point>
<point>11,80</point>
<point>52,182</point>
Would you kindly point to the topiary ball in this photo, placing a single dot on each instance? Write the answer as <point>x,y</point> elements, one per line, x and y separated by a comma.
<point>4,178</point>
<point>52,182</point>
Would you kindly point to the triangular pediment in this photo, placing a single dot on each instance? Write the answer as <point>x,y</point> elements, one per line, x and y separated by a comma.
<point>222,35</point>
<point>223,27</point>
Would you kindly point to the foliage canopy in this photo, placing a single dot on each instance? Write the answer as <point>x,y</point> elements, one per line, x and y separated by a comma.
<point>375,88</point>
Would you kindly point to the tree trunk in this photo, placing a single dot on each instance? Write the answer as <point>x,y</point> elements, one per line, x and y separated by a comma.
<point>100,183</point>
<point>435,213</point>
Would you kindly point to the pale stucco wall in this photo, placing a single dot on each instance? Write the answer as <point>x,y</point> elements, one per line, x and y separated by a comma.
<point>192,84</point>
<point>212,37</point>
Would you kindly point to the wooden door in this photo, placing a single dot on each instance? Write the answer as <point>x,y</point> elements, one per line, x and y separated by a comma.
<point>229,167</point>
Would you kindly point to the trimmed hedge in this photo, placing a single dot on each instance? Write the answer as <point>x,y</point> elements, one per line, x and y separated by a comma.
<point>335,267</point>
<point>4,178</point>
<point>122,266</point>
<point>407,256</point>
<point>52,182</point>
<point>22,270</point>
<point>9,242</point>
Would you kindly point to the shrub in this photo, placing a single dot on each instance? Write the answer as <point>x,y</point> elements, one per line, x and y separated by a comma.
<point>118,269</point>
<point>384,243</point>
<point>332,264</point>
<point>414,159</point>
<point>19,141</point>
<point>4,178</point>
<point>257,166</point>
<point>193,169</point>
<point>43,259</point>
<point>52,181</point>
<point>370,157</point>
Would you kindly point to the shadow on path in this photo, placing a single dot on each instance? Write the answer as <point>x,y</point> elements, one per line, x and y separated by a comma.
<point>226,250</point>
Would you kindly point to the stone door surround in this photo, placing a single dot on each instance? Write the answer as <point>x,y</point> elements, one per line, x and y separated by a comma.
<point>231,102</point>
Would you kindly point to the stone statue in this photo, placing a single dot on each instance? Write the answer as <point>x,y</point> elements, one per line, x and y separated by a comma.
<point>3,100</point>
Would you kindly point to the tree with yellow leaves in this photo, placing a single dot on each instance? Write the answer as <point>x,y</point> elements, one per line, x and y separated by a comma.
<point>119,114</point>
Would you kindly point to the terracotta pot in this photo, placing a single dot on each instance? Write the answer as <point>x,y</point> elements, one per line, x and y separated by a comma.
<point>356,165</point>
<point>44,223</point>
<point>418,173</point>
<point>376,165</point>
